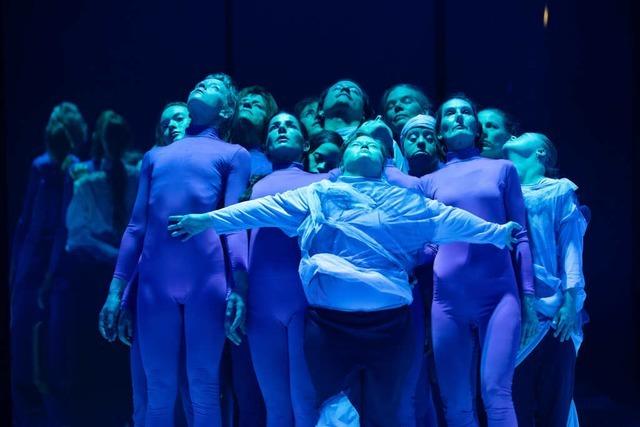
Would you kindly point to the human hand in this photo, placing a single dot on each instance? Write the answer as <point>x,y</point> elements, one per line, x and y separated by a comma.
<point>234,318</point>
<point>512,228</point>
<point>107,321</point>
<point>566,318</point>
<point>125,325</point>
<point>186,226</point>
<point>530,322</point>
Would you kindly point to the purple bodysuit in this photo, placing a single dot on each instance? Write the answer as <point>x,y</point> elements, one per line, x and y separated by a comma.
<point>182,287</point>
<point>276,305</point>
<point>476,290</point>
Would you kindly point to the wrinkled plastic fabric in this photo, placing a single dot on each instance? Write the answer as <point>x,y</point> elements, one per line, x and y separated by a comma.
<point>556,231</point>
<point>358,237</point>
<point>338,411</point>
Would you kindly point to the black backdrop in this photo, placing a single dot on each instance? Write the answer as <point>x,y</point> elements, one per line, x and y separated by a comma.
<point>571,80</point>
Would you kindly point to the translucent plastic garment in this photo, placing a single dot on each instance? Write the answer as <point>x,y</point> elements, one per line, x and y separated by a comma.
<point>556,230</point>
<point>358,237</point>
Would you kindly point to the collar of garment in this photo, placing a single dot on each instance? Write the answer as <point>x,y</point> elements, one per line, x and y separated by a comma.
<point>289,165</point>
<point>202,131</point>
<point>464,154</point>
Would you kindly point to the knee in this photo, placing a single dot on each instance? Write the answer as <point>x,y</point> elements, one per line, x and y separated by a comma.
<point>496,397</point>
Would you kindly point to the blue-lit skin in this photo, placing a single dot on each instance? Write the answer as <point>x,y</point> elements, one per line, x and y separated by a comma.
<point>174,122</point>
<point>250,120</point>
<point>494,133</point>
<point>208,105</point>
<point>276,301</point>
<point>285,143</point>
<point>324,158</point>
<point>420,150</point>
<point>458,125</point>
<point>364,157</point>
<point>401,104</point>
<point>343,106</point>
<point>309,119</point>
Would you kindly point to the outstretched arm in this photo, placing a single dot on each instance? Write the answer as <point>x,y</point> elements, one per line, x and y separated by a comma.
<point>285,211</point>
<point>449,224</point>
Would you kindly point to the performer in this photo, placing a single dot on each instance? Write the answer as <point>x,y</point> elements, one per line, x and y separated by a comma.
<point>183,287</point>
<point>497,128</point>
<point>306,111</point>
<point>401,102</point>
<point>544,378</point>
<point>359,237</point>
<point>324,152</point>
<point>423,154</point>
<point>41,218</point>
<point>172,126</point>
<point>276,302</point>
<point>255,108</point>
<point>476,296</point>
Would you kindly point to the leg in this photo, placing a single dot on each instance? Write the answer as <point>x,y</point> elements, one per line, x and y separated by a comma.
<point>204,342</point>
<point>556,379</point>
<point>160,328</point>
<point>454,348</point>
<point>524,388</point>
<point>183,387</point>
<point>391,358</point>
<point>251,409</point>
<point>138,382</point>
<point>28,407</point>
<point>270,352</point>
<point>303,395</point>
<point>499,340</point>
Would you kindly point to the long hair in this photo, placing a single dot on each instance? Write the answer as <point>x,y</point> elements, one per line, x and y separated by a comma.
<point>115,136</point>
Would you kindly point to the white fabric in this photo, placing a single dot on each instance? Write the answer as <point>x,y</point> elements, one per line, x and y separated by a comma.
<point>90,215</point>
<point>358,237</point>
<point>337,411</point>
<point>556,230</point>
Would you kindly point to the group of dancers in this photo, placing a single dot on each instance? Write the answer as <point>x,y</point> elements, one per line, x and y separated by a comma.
<point>396,266</point>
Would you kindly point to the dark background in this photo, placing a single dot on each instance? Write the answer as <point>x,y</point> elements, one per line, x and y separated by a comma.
<point>572,80</point>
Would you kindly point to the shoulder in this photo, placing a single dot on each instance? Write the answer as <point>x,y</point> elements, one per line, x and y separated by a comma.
<point>88,180</point>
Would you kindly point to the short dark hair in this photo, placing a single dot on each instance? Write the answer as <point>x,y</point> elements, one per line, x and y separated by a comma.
<point>271,108</point>
<point>422,98</point>
<point>510,124</point>
<point>302,104</point>
<point>368,112</point>
<point>478,137</point>
<point>325,136</point>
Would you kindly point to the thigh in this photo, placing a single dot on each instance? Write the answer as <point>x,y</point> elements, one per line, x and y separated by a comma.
<point>499,341</point>
<point>454,350</point>
<point>303,395</point>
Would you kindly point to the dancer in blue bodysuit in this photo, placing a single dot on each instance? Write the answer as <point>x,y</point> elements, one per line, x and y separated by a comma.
<point>275,301</point>
<point>182,288</point>
<point>172,126</point>
<point>476,294</point>
<point>359,236</point>
<point>41,218</point>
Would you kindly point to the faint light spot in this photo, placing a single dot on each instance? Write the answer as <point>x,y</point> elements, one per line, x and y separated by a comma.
<point>545,16</point>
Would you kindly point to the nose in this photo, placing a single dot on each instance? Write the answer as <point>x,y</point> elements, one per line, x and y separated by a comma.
<point>282,129</point>
<point>459,117</point>
<point>421,144</point>
<point>398,107</point>
<point>345,89</point>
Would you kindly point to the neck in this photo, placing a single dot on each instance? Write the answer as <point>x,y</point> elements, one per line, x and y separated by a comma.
<point>335,123</point>
<point>530,170</point>
<point>420,166</point>
<point>247,135</point>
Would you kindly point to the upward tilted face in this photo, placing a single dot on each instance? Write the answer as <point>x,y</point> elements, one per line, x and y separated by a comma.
<point>208,99</point>
<point>364,156</point>
<point>494,133</point>
<point>285,141</point>
<point>309,118</point>
<point>324,158</point>
<point>458,124</point>
<point>526,145</point>
<point>401,105</point>
<point>345,94</point>
<point>253,108</point>
<point>174,122</point>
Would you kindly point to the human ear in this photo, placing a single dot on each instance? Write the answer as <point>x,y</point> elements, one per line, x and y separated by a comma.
<point>226,112</point>
<point>306,146</point>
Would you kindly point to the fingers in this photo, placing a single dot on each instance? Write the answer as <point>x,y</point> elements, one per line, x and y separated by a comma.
<point>106,325</point>
<point>175,218</point>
